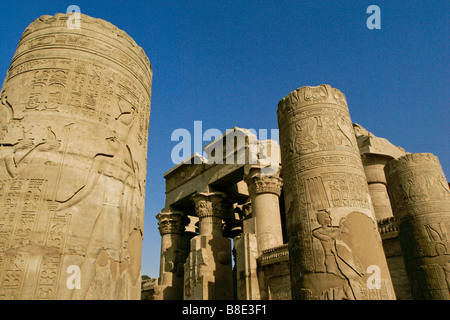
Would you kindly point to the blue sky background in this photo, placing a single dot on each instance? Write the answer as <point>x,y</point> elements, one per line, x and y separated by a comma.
<point>228,63</point>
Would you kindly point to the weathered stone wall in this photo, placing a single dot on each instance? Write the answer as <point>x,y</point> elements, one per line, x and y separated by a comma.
<point>74,118</point>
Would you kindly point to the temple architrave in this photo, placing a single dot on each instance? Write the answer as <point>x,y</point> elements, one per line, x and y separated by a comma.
<point>347,215</point>
<point>74,115</point>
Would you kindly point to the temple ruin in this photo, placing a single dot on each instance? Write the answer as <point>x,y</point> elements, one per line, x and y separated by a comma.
<point>330,212</point>
<point>348,215</point>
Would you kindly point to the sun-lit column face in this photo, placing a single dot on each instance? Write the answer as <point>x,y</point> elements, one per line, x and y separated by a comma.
<point>172,226</point>
<point>75,109</point>
<point>264,191</point>
<point>333,238</point>
<point>420,198</point>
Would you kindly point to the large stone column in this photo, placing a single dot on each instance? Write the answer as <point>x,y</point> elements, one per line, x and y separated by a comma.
<point>420,198</point>
<point>74,117</point>
<point>264,191</point>
<point>335,249</point>
<point>208,270</point>
<point>173,256</point>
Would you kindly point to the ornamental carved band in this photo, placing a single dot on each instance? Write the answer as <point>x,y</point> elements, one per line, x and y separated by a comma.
<point>74,117</point>
<point>265,183</point>
<point>172,222</point>
<point>333,237</point>
<point>209,205</point>
<point>420,199</point>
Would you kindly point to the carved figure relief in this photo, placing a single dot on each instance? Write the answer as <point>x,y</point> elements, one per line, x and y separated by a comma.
<point>320,131</point>
<point>345,134</point>
<point>336,253</point>
<point>59,109</point>
<point>305,136</point>
<point>315,94</point>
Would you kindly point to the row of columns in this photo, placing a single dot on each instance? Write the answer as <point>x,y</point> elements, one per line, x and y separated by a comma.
<point>333,199</point>
<point>207,265</point>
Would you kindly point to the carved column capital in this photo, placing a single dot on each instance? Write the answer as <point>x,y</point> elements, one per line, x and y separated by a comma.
<point>210,209</point>
<point>172,222</point>
<point>209,204</point>
<point>262,183</point>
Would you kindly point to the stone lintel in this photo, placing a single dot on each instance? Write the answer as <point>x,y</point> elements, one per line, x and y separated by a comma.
<point>368,143</point>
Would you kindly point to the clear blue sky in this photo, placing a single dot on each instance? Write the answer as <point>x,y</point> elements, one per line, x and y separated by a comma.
<point>228,63</point>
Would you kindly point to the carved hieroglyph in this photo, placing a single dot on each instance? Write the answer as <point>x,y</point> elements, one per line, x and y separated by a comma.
<point>420,199</point>
<point>333,238</point>
<point>74,117</point>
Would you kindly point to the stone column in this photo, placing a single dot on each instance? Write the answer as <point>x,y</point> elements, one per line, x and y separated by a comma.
<point>208,271</point>
<point>209,208</point>
<point>264,191</point>
<point>247,282</point>
<point>74,117</point>
<point>374,169</point>
<point>420,198</point>
<point>335,248</point>
<point>375,153</point>
<point>172,227</point>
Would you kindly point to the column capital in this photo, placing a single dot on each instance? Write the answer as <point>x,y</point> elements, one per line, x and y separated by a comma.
<point>172,222</point>
<point>209,204</point>
<point>263,183</point>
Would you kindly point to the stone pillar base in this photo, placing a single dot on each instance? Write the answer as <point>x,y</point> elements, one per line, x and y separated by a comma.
<point>208,273</point>
<point>246,267</point>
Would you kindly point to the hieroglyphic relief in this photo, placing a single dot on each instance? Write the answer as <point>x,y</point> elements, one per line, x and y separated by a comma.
<point>325,182</point>
<point>318,131</point>
<point>137,62</point>
<point>420,199</point>
<point>73,133</point>
<point>347,190</point>
<point>305,96</point>
<point>48,277</point>
<point>30,209</point>
<point>12,280</point>
<point>78,87</point>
